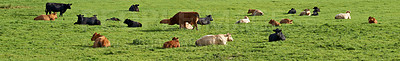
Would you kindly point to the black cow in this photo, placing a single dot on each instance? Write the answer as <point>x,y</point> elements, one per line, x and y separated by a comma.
<point>114,19</point>
<point>134,8</point>
<point>205,21</point>
<point>132,23</point>
<point>87,20</point>
<point>278,35</point>
<point>314,13</point>
<point>292,11</point>
<point>57,7</point>
<point>316,9</point>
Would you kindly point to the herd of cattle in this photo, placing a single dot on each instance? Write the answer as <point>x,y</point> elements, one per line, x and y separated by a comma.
<point>184,20</point>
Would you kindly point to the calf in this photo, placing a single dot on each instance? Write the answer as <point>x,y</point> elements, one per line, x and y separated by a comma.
<point>292,11</point>
<point>245,20</point>
<point>372,20</point>
<point>132,23</point>
<point>174,43</point>
<point>114,19</point>
<point>205,21</point>
<point>88,20</point>
<point>134,8</point>
<point>219,39</point>
<point>57,7</point>
<point>100,40</point>
<point>278,35</point>
<point>286,21</point>
<point>52,17</point>
<point>255,12</point>
<point>305,12</point>
<point>274,23</point>
<point>343,15</point>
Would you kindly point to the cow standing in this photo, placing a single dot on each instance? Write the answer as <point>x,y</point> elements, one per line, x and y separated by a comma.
<point>57,7</point>
<point>182,17</point>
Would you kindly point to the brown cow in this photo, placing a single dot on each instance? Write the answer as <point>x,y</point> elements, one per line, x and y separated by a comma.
<point>372,20</point>
<point>274,23</point>
<point>173,43</point>
<point>305,12</point>
<point>286,21</point>
<point>182,17</point>
<point>100,40</point>
<point>52,17</point>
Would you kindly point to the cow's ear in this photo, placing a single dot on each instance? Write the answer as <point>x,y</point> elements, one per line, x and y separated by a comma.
<point>137,4</point>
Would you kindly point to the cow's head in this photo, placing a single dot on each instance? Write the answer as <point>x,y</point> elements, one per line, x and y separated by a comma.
<point>175,39</point>
<point>251,11</point>
<point>315,8</point>
<point>80,17</point>
<point>229,36</point>
<point>135,7</point>
<point>209,17</point>
<point>68,6</point>
<point>279,34</point>
<point>292,9</point>
<point>245,17</point>
<point>95,35</point>
<point>165,21</point>
<point>347,11</point>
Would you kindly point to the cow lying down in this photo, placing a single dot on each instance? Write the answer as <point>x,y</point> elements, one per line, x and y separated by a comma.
<point>87,20</point>
<point>278,35</point>
<point>132,23</point>
<point>219,39</point>
<point>51,17</point>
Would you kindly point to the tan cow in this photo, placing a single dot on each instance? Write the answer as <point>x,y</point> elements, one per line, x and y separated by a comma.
<point>100,40</point>
<point>219,39</point>
<point>52,17</point>
<point>274,23</point>
<point>286,21</point>
<point>255,12</point>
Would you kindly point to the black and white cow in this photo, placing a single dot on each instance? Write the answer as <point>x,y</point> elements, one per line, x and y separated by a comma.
<point>205,21</point>
<point>134,8</point>
<point>278,35</point>
<point>132,23</point>
<point>292,11</point>
<point>57,7</point>
<point>87,20</point>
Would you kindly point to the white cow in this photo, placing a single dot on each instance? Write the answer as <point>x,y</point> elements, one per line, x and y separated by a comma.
<point>245,20</point>
<point>343,15</point>
<point>219,39</point>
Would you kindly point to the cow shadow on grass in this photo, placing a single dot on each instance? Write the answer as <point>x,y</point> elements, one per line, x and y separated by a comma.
<point>159,30</point>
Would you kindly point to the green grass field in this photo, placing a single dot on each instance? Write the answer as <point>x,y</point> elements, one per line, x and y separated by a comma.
<point>309,38</point>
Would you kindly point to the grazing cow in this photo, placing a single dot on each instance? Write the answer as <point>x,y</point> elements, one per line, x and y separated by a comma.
<point>286,21</point>
<point>114,19</point>
<point>100,40</point>
<point>343,15</point>
<point>278,35</point>
<point>134,8</point>
<point>305,12</point>
<point>182,17</point>
<point>372,20</point>
<point>205,21</point>
<point>316,9</point>
<point>274,23</point>
<point>245,20</point>
<point>132,23</point>
<point>174,43</point>
<point>88,20</point>
<point>57,7</point>
<point>219,39</point>
<point>255,12</point>
<point>292,11</point>
<point>52,17</point>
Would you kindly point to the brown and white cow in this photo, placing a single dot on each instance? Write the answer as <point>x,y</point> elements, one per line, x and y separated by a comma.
<point>286,21</point>
<point>182,17</point>
<point>174,43</point>
<point>255,12</point>
<point>372,20</point>
<point>100,40</point>
<point>305,12</point>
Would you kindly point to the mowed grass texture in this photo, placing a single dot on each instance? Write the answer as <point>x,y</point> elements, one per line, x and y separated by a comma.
<point>309,38</point>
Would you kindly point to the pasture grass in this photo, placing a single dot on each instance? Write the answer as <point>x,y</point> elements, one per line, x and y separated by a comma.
<point>309,38</point>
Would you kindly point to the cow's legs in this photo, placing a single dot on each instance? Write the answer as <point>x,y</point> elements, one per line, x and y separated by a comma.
<point>61,13</point>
